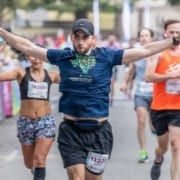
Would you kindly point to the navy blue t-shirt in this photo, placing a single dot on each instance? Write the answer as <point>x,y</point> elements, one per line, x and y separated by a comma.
<point>85,80</point>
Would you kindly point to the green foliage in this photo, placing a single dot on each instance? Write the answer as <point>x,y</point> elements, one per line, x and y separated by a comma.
<point>81,4</point>
<point>33,4</point>
<point>174,2</point>
<point>106,7</point>
<point>60,5</point>
<point>7,4</point>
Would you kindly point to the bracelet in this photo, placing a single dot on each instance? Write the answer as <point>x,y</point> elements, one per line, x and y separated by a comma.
<point>175,41</point>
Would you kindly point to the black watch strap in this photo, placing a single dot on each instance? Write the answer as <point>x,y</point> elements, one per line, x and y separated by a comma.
<point>175,41</point>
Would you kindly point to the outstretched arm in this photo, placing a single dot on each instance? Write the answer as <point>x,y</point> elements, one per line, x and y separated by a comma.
<point>15,74</point>
<point>134,54</point>
<point>24,45</point>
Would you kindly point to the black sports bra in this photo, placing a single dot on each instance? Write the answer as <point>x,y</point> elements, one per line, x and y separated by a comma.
<point>32,89</point>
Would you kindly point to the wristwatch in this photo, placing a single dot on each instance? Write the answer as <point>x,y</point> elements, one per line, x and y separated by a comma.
<point>175,41</point>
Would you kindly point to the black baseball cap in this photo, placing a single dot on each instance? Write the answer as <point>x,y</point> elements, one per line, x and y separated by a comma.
<point>84,25</point>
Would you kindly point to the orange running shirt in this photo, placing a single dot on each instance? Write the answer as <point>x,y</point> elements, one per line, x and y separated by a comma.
<point>166,94</point>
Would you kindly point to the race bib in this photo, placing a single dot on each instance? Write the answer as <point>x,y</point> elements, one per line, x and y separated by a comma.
<point>96,163</point>
<point>37,90</point>
<point>173,86</point>
<point>146,87</point>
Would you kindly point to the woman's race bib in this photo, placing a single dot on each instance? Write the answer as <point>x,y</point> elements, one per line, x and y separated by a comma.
<point>37,90</point>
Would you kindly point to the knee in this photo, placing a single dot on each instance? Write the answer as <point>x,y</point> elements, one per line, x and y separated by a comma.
<point>141,124</point>
<point>175,145</point>
<point>39,160</point>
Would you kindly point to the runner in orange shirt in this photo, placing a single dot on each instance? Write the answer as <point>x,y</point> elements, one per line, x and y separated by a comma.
<point>165,106</point>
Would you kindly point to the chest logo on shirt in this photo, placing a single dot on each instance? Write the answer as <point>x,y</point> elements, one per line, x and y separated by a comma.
<point>85,63</point>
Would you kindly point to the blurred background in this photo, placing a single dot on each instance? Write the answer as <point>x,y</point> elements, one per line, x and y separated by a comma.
<point>120,17</point>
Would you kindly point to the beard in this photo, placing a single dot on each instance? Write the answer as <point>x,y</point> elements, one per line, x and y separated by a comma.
<point>83,51</point>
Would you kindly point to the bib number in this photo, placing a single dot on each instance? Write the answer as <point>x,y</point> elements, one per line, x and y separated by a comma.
<point>96,163</point>
<point>173,86</point>
<point>37,90</point>
<point>146,87</point>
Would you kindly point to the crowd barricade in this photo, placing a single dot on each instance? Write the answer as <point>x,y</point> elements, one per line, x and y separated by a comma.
<point>9,99</point>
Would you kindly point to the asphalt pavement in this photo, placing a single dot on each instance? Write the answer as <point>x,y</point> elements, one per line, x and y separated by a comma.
<point>124,160</point>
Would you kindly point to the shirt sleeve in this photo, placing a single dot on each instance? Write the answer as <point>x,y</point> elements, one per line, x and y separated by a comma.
<point>55,55</point>
<point>117,56</point>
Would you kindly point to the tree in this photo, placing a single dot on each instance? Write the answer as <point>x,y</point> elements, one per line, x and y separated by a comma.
<point>80,8</point>
<point>5,5</point>
<point>10,5</point>
<point>174,2</point>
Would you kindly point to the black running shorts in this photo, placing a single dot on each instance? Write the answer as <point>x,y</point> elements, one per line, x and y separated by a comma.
<point>75,144</point>
<point>161,119</point>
